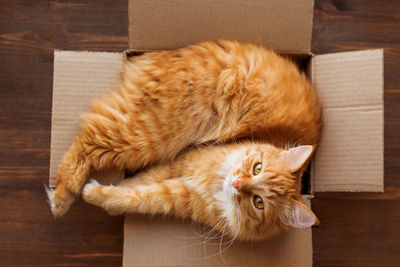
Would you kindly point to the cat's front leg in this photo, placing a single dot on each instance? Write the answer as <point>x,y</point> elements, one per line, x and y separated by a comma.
<point>113,199</point>
<point>168,197</point>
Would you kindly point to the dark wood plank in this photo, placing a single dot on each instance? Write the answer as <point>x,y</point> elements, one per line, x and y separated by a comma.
<point>355,24</point>
<point>362,229</point>
<point>356,232</point>
<point>29,33</point>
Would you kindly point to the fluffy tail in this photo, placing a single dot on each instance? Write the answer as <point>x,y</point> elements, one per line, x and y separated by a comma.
<point>72,174</point>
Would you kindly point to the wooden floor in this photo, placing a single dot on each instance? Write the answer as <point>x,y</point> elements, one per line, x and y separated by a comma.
<point>358,229</point>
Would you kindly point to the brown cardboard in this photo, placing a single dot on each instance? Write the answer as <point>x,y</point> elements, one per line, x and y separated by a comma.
<point>285,26</point>
<point>79,77</point>
<point>350,88</point>
<point>350,153</point>
<point>157,241</point>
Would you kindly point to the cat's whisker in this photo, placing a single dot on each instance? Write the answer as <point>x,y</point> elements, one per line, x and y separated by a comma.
<point>222,258</point>
<point>222,236</point>
<point>213,229</point>
<point>207,239</point>
<point>208,233</point>
<point>219,244</point>
<point>206,242</point>
<point>198,235</point>
<point>215,236</point>
<point>206,236</point>
<point>230,242</point>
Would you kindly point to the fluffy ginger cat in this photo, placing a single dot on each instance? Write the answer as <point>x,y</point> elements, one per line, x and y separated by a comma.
<point>212,92</point>
<point>246,191</point>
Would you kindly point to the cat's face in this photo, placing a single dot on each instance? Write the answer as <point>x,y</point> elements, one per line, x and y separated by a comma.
<point>262,189</point>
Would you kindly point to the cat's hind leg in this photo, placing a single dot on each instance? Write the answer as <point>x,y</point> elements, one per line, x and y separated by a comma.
<point>99,145</point>
<point>72,173</point>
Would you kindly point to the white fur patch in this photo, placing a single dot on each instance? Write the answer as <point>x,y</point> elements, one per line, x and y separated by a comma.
<point>225,196</point>
<point>62,208</point>
<point>89,186</point>
<point>225,203</point>
<point>50,197</point>
<point>231,163</point>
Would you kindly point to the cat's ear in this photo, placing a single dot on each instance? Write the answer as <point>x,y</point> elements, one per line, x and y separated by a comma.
<point>300,216</point>
<point>298,156</point>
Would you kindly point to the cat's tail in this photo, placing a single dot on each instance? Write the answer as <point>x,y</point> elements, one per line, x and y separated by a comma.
<point>72,174</point>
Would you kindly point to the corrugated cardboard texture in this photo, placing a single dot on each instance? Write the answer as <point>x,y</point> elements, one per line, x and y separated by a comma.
<point>169,242</point>
<point>285,26</point>
<point>350,154</point>
<point>79,77</point>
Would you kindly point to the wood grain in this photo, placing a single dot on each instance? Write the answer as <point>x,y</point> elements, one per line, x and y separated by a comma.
<point>29,33</point>
<point>357,229</point>
<point>362,229</point>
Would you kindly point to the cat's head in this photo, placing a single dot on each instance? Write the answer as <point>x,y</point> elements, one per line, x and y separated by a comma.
<point>263,191</point>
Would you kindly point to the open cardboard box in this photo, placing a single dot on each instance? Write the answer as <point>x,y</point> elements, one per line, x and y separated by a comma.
<point>350,88</point>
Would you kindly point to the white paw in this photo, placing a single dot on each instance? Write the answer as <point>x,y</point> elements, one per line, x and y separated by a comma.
<point>92,182</point>
<point>50,197</point>
<point>90,186</point>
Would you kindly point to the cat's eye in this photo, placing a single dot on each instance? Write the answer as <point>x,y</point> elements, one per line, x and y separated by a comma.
<point>258,202</point>
<point>257,169</point>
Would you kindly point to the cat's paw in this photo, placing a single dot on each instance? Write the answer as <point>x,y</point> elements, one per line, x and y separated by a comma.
<point>91,183</point>
<point>59,200</point>
<point>50,197</point>
<point>89,190</point>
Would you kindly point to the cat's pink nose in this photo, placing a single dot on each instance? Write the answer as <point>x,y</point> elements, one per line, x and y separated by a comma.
<point>236,185</point>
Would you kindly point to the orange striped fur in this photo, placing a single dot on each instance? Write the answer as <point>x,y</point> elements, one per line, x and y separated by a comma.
<point>167,101</point>
<point>199,185</point>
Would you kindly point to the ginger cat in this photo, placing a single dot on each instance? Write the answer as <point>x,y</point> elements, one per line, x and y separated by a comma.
<point>247,191</point>
<point>212,92</point>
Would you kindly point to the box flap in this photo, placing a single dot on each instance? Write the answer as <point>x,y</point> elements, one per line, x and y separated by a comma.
<point>160,241</point>
<point>285,26</point>
<point>79,77</point>
<point>350,154</point>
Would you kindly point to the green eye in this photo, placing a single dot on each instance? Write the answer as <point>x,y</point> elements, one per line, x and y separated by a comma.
<point>257,169</point>
<point>258,202</point>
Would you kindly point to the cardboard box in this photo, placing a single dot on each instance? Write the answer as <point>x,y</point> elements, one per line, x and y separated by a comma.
<point>350,88</point>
